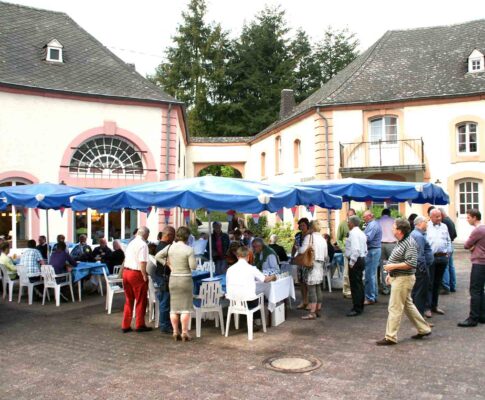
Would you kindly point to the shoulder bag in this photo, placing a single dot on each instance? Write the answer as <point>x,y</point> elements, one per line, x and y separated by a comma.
<point>306,258</point>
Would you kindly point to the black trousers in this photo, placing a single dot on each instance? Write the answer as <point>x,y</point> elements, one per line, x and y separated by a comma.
<point>253,304</point>
<point>436,272</point>
<point>477,301</point>
<point>356,284</point>
<point>420,290</point>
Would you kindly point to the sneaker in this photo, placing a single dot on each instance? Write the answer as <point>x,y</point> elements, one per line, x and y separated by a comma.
<point>385,342</point>
<point>468,323</point>
<point>420,335</point>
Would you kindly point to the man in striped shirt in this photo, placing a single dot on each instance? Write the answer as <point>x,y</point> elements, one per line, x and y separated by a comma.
<point>401,270</point>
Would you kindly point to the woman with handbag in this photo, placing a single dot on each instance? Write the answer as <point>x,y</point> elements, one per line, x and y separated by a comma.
<point>303,225</point>
<point>313,254</point>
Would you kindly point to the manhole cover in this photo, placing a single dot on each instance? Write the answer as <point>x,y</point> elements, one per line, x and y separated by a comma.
<point>292,364</point>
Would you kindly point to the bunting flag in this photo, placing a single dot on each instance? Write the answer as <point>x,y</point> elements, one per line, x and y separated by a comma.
<point>26,212</point>
<point>186,214</point>
<point>62,209</point>
<point>281,213</point>
<point>36,210</point>
<point>167,214</point>
<point>293,211</point>
<point>410,202</point>
<point>311,210</point>
<point>368,203</point>
<point>149,211</point>
<point>256,218</point>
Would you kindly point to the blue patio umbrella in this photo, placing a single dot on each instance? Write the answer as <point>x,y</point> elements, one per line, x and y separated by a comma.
<point>42,195</point>
<point>208,192</point>
<point>380,190</point>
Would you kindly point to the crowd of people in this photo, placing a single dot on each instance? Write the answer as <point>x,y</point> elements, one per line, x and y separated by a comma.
<point>410,259</point>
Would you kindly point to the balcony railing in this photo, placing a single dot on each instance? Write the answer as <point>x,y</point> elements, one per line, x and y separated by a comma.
<point>383,154</point>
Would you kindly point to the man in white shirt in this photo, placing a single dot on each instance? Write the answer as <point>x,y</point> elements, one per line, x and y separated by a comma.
<point>135,281</point>
<point>439,239</point>
<point>241,280</point>
<point>356,251</point>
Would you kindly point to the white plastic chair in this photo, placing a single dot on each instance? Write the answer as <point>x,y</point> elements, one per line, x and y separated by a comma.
<point>113,286</point>
<point>49,276</point>
<point>116,270</point>
<point>209,266</point>
<point>7,281</point>
<point>25,282</point>
<point>210,294</point>
<point>238,306</point>
<point>153,303</point>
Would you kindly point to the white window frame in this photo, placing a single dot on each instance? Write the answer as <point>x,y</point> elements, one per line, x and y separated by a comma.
<point>54,45</point>
<point>476,56</point>
<point>467,138</point>
<point>468,204</point>
<point>383,130</point>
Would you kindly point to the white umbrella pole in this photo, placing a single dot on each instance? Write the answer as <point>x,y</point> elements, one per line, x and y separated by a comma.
<point>47,234</point>
<point>210,242</point>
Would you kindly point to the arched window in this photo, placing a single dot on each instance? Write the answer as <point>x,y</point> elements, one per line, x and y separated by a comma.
<point>296,154</point>
<point>263,165</point>
<point>466,134</point>
<point>383,129</point>
<point>278,154</point>
<point>105,156</point>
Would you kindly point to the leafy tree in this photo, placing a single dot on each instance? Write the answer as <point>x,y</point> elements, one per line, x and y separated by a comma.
<point>334,52</point>
<point>221,170</point>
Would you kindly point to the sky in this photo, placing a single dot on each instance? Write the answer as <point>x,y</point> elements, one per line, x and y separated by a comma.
<point>139,31</point>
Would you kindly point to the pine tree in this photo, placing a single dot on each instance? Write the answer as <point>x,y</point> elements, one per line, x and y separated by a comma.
<point>337,49</point>
<point>259,69</point>
<point>306,73</point>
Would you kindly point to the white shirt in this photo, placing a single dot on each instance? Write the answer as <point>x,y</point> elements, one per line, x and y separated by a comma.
<point>241,280</point>
<point>386,223</point>
<point>319,246</point>
<point>355,245</point>
<point>438,238</point>
<point>136,252</point>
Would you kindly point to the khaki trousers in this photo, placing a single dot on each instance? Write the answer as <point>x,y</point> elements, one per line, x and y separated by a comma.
<point>400,301</point>
<point>346,282</point>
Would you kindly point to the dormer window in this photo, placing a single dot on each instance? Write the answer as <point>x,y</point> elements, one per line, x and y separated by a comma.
<point>476,62</point>
<point>54,51</point>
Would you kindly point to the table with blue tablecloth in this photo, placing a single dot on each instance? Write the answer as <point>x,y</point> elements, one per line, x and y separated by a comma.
<point>84,269</point>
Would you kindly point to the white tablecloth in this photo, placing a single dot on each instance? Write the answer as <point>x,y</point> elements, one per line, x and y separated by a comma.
<point>277,291</point>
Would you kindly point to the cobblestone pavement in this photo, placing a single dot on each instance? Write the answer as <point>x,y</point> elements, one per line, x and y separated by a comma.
<point>77,351</point>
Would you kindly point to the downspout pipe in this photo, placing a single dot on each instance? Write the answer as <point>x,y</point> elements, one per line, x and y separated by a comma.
<point>167,155</point>
<point>327,161</point>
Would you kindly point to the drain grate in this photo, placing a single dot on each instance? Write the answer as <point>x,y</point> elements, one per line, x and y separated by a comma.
<point>292,364</point>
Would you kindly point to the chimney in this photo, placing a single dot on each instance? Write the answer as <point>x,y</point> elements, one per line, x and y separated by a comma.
<point>287,102</point>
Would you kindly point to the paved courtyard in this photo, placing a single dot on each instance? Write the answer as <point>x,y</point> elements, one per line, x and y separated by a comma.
<point>78,352</point>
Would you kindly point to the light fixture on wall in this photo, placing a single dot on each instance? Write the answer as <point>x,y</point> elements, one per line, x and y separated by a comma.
<point>437,182</point>
<point>96,216</point>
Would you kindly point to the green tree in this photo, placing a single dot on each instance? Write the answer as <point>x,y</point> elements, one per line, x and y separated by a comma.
<point>306,72</point>
<point>260,68</point>
<point>194,68</point>
<point>334,52</point>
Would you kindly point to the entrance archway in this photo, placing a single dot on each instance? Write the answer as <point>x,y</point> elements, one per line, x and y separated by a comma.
<point>235,170</point>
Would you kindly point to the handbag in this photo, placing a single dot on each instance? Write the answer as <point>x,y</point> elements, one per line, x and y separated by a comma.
<point>306,258</point>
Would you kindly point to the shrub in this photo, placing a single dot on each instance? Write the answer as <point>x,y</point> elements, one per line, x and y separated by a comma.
<point>260,229</point>
<point>285,233</point>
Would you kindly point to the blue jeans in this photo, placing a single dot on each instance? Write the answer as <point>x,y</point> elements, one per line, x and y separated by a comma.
<point>371,263</point>
<point>449,276</point>
<point>164,302</point>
